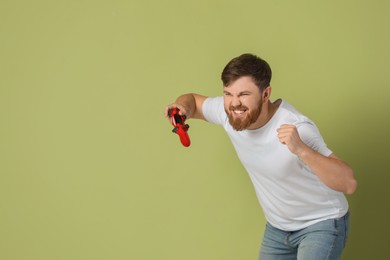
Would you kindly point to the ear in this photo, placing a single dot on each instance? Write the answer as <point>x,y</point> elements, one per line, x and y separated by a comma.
<point>267,93</point>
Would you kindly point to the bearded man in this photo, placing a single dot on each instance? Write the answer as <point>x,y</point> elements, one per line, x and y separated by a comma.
<point>300,182</point>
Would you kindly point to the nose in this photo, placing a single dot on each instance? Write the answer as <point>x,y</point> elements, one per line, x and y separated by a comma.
<point>236,101</point>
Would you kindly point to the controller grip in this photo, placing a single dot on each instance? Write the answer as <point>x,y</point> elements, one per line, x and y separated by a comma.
<point>180,128</point>
<point>185,139</point>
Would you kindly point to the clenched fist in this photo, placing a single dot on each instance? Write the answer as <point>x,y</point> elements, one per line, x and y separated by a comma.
<point>288,135</point>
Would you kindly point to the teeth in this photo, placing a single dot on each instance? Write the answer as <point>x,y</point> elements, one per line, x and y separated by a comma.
<point>239,111</point>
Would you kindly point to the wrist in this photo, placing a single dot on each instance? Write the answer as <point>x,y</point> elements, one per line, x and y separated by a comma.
<point>304,152</point>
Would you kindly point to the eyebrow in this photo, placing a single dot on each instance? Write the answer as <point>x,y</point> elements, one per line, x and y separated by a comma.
<point>240,93</point>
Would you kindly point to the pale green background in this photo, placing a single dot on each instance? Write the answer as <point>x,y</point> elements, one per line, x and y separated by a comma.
<point>89,168</point>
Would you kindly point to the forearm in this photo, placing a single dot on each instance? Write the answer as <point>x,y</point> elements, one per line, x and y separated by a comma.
<point>332,171</point>
<point>189,105</point>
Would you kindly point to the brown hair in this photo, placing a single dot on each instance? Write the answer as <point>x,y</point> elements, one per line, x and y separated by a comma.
<point>247,65</point>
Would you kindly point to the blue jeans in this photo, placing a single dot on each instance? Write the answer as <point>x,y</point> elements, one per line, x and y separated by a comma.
<point>322,241</point>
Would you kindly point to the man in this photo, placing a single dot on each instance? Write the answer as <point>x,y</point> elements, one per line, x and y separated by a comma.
<point>299,181</point>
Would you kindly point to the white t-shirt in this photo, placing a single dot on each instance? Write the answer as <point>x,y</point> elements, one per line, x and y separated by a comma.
<point>291,195</point>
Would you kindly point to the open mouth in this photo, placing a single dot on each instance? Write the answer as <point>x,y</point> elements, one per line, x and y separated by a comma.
<point>238,111</point>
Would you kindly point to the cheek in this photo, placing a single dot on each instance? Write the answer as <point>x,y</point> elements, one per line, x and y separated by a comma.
<point>226,107</point>
<point>254,104</point>
<point>251,104</point>
<point>226,103</point>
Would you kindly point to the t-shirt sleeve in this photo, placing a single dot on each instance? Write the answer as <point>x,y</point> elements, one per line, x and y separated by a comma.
<point>213,110</point>
<point>311,136</point>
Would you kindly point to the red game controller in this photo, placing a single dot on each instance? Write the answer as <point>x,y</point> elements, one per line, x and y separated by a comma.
<point>180,128</point>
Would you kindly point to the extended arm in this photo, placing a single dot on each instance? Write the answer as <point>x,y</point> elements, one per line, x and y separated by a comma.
<point>189,105</point>
<point>332,171</point>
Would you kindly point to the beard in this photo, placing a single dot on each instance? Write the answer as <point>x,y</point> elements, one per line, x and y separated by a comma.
<point>240,124</point>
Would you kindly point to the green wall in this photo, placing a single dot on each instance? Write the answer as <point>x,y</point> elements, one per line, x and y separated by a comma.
<point>89,168</point>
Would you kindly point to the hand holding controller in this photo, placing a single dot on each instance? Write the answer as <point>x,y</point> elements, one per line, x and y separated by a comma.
<point>180,127</point>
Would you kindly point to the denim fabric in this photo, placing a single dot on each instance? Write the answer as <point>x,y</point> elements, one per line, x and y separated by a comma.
<point>322,241</point>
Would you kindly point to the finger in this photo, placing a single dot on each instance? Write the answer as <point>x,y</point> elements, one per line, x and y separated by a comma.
<point>182,110</point>
<point>284,131</point>
<point>286,127</point>
<point>166,110</point>
<point>168,107</point>
<point>282,140</point>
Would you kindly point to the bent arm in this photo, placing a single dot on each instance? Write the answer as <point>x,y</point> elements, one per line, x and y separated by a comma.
<point>332,171</point>
<point>190,105</point>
